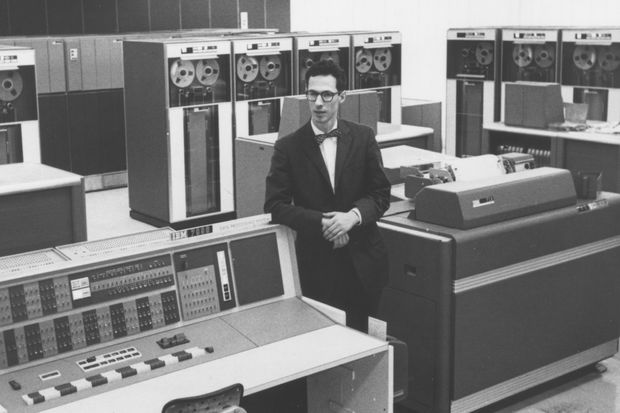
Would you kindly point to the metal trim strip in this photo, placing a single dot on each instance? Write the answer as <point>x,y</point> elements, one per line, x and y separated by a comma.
<point>536,264</point>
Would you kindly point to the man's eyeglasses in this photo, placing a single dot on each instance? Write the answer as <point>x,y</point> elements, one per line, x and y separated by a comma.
<point>326,95</point>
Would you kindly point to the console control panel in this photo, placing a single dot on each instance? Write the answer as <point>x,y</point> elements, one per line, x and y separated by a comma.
<point>81,322</point>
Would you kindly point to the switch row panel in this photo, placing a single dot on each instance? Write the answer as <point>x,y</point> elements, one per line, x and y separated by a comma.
<point>51,307</point>
<point>81,329</point>
<point>36,299</point>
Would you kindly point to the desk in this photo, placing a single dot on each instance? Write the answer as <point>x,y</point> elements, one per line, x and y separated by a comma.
<point>253,157</point>
<point>577,151</point>
<point>392,134</point>
<point>395,157</point>
<point>333,354</point>
<point>40,207</point>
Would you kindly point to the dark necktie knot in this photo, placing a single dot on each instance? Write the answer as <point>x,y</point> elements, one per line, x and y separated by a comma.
<point>334,133</point>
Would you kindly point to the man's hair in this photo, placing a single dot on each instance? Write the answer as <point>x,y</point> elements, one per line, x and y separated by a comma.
<point>326,68</point>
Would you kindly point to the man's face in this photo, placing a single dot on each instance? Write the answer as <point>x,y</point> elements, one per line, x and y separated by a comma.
<point>324,114</point>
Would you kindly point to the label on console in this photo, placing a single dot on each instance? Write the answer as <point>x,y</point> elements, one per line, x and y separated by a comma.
<point>530,35</point>
<point>8,59</point>
<point>324,42</point>
<point>263,45</point>
<point>198,49</point>
<point>483,201</point>
<point>104,360</point>
<point>601,203</point>
<point>49,375</point>
<point>596,36</point>
<point>471,35</point>
<point>80,288</point>
<point>379,39</point>
<point>590,206</point>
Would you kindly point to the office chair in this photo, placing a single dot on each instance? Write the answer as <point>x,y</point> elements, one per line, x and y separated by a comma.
<point>224,400</point>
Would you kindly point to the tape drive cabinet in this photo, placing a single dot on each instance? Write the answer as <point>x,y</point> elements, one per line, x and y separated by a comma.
<point>263,77</point>
<point>377,65</point>
<point>312,48</point>
<point>19,126</point>
<point>179,131</point>
<point>591,71</point>
<point>472,89</point>
<point>530,54</point>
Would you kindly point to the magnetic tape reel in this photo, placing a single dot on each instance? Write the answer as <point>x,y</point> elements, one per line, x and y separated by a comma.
<point>182,73</point>
<point>333,56</point>
<point>382,59</point>
<point>208,71</point>
<point>308,63</point>
<point>484,53</point>
<point>610,58</point>
<point>363,60</point>
<point>522,55</point>
<point>11,85</point>
<point>247,68</point>
<point>584,57</point>
<point>467,52</point>
<point>544,55</point>
<point>270,67</point>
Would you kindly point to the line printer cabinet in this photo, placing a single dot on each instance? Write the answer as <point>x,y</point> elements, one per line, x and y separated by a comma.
<point>493,303</point>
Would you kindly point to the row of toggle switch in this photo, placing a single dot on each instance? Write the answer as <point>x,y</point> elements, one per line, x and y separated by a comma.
<point>111,376</point>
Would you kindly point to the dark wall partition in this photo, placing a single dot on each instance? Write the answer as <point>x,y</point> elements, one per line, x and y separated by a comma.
<point>65,17</point>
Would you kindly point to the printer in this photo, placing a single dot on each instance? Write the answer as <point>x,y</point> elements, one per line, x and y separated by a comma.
<point>500,284</point>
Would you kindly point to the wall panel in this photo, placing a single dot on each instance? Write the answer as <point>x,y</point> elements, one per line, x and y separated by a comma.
<point>133,16</point>
<point>224,13</point>
<point>278,14</point>
<point>100,16</point>
<point>256,12</point>
<point>5,28</point>
<point>64,17</point>
<point>195,14</point>
<point>27,17</point>
<point>112,129</point>
<point>165,15</point>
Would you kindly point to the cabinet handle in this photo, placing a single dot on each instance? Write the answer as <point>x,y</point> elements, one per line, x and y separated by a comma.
<point>410,271</point>
<point>470,76</point>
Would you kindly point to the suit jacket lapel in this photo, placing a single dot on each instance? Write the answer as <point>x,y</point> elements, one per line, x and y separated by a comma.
<point>313,152</point>
<point>342,153</point>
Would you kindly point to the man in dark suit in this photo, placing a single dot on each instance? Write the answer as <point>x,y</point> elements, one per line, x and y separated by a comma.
<point>327,182</point>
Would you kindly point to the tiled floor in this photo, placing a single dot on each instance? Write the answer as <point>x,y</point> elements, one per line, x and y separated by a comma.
<point>586,391</point>
<point>107,215</point>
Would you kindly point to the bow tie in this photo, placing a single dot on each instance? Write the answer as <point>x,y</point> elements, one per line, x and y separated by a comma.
<point>334,133</point>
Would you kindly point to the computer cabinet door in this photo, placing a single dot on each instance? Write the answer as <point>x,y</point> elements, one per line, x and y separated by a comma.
<point>112,129</point>
<point>53,121</point>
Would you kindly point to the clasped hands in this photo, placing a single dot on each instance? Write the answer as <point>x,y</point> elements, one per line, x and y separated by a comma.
<point>336,227</point>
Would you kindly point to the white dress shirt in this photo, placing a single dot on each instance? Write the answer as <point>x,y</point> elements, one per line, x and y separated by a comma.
<point>328,151</point>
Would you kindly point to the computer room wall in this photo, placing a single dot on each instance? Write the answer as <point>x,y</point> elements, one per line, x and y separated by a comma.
<point>424,25</point>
